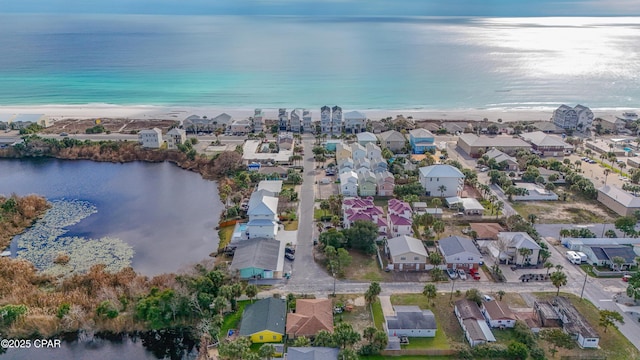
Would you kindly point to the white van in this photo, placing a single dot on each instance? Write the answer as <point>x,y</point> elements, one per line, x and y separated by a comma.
<point>573,257</point>
<point>583,256</point>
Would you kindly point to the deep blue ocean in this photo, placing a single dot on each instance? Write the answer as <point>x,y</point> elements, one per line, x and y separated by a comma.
<point>358,62</point>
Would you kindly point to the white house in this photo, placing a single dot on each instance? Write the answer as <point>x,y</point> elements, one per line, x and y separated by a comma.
<point>176,137</point>
<point>258,120</point>
<point>150,138</point>
<point>336,120</point>
<point>498,314</point>
<point>515,241</point>
<point>373,151</point>
<point>358,151</point>
<point>407,253</point>
<point>411,321</point>
<point>263,215</point>
<point>441,180</point>
<point>365,138</point>
<point>354,122</point>
<point>349,183</point>
<point>473,324</point>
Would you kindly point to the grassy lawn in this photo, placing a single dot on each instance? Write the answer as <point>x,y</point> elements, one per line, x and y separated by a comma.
<point>448,327</point>
<point>378,316</point>
<point>225,235</point>
<point>318,213</point>
<point>366,267</point>
<point>232,321</point>
<point>513,299</point>
<point>380,357</point>
<point>504,336</point>
<point>612,343</point>
<point>588,269</point>
<point>291,225</point>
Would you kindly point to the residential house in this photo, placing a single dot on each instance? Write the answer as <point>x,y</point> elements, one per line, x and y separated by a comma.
<point>349,183</point>
<point>548,127</point>
<point>222,121</point>
<point>241,127</point>
<point>295,121</point>
<point>312,353</point>
<point>441,180</point>
<point>258,120</point>
<point>346,165</point>
<point>400,208</point>
<point>515,242</point>
<point>603,255</point>
<point>176,137</point>
<point>399,218</point>
<point>311,316</point>
<point>378,164</point>
<point>575,324</point>
<point>21,121</point>
<point>506,162</point>
<point>197,124</point>
<point>272,187</point>
<point>471,206</point>
<point>407,253</point>
<point>285,141</point>
<point>620,201</point>
<point>325,120</point>
<point>307,122</point>
<point>151,139</point>
<point>283,119</point>
<point>259,258</point>
<point>343,152</point>
<point>421,141</point>
<point>386,183</point>
<point>585,117</point>
<point>498,314</point>
<point>459,252</point>
<point>358,151</point>
<point>354,122</point>
<point>373,150</point>
<point>336,120</point>
<point>274,172</point>
<point>476,146</point>
<point>367,183</point>
<point>612,124</point>
<point>392,140</point>
<point>263,214</point>
<point>355,209</point>
<point>377,127</point>
<point>565,117</point>
<point>365,138</point>
<point>263,321</point>
<point>362,163</point>
<point>546,144</point>
<point>473,324</point>
<point>410,321</point>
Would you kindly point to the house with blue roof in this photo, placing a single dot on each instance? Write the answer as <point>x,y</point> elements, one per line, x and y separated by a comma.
<point>421,141</point>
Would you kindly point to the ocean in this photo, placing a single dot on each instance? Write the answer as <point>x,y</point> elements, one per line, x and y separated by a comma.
<point>357,62</point>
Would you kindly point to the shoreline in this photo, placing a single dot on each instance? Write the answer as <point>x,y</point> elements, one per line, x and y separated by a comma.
<point>178,113</point>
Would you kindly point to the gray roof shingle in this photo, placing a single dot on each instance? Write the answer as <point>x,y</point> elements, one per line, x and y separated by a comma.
<point>265,314</point>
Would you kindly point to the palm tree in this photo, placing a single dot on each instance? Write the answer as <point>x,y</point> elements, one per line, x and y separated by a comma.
<point>606,174</point>
<point>565,232</point>
<point>524,252</point>
<point>498,206</point>
<point>558,279</point>
<point>438,227</point>
<point>532,218</point>
<point>442,190</point>
<point>548,265</point>
<point>430,292</point>
<point>501,293</point>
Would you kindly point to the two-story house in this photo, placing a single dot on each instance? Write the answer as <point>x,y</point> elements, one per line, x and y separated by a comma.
<point>459,253</point>
<point>441,180</point>
<point>421,140</point>
<point>176,137</point>
<point>392,140</point>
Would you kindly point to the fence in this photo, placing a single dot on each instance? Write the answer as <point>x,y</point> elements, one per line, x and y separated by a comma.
<point>421,352</point>
<point>583,357</point>
<point>607,273</point>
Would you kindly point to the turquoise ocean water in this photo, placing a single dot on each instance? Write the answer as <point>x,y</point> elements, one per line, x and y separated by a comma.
<point>358,62</point>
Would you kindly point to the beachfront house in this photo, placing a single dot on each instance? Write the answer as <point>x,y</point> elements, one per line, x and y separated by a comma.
<point>325,120</point>
<point>336,120</point>
<point>307,122</point>
<point>258,120</point>
<point>406,253</point>
<point>577,118</point>
<point>283,119</point>
<point>310,317</point>
<point>263,321</point>
<point>410,321</point>
<point>392,140</point>
<point>241,127</point>
<point>441,180</point>
<point>295,121</point>
<point>421,141</point>
<point>354,122</point>
<point>547,144</point>
<point>151,139</point>
<point>176,137</point>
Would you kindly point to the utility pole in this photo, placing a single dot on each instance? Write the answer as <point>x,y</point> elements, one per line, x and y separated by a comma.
<point>453,282</point>
<point>583,285</point>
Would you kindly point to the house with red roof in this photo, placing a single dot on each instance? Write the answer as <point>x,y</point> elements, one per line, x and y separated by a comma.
<point>363,209</point>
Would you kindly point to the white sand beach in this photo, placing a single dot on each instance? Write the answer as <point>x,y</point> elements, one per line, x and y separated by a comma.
<point>148,112</point>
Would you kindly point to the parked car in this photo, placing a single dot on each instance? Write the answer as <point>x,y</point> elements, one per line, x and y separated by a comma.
<point>487,298</point>
<point>289,256</point>
<point>289,250</point>
<point>64,134</point>
<point>452,273</point>
<point>462,274</point>
<point>626,278</point>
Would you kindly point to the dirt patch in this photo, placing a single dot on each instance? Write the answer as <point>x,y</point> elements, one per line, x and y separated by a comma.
<point>359,317</point>
<point>572,212</point>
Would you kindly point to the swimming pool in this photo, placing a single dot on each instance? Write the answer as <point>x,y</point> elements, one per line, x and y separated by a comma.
<point>626,149</point>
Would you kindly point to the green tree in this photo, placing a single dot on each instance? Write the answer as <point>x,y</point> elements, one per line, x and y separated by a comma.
<point>558,279</point>
<point>557,338</point>
<point>610,233</point>
<point>362,236</point>
<point>501,294</point>
<point>301,341</point>
<point>333,238</point>
<point>348,354</point>
<point>609,318</point>
<point>430,292</point>
<point>618,261</point>
<point>267,351</point>
<point>372,292</point>
<point>251,291</point>
<point>238,349</point>
<point>442,189</point>
<point>438,227</point>
<point>344,335</point>
<point>435,258</point>
<point>10,313</point>
<point>548,265</point>
<point>324,339</point>
<point>474,295</point>
<point>517,351</point>
<point>324,206</point>
<point>626,224</point>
